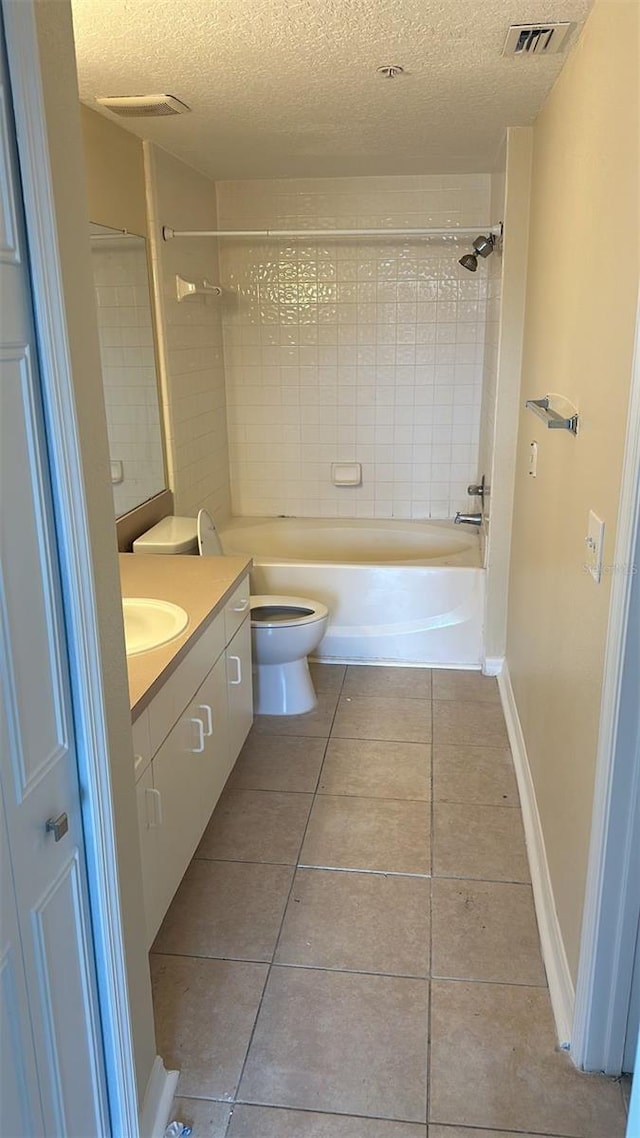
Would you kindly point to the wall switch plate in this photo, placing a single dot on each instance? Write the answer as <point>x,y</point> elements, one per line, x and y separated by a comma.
<point>595,546</point>
<point>533,460</point>
<point>117,471</point>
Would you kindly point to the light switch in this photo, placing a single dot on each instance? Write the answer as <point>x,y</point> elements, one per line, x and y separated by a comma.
<point>117,472</point>
<point>595,546</point>
<point>533,460</point>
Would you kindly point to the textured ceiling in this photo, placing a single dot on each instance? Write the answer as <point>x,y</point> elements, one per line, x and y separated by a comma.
<point>287,88</point>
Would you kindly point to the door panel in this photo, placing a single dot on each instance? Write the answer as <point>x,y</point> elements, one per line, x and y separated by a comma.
<point>19,1095</point>
<point>239,689</point>
<point>40,730</point>
<point>178,776</point>
<point>213,694</point>
<point>65,997</point>
<point>46,878</point>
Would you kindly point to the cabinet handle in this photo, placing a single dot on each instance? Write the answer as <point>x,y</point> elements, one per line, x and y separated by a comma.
<point>242,607</point>
<point>200,728</point>
<point>238,679</point>
<point>207,710</point>
<point>156,812</point>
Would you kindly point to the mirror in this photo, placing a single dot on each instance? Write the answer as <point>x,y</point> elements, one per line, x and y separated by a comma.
<point>129,374</point>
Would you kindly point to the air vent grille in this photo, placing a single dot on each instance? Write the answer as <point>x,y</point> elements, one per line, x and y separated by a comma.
<point>143,106</point>
<point>536,39</point>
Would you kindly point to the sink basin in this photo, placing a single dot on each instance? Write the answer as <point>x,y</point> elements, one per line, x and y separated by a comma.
<point>149,623</point>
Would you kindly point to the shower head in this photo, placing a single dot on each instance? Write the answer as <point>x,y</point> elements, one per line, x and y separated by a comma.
<point>469,261</point>
<point>482,247</point>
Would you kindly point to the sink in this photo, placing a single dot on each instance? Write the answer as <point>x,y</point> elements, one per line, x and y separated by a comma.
<point>149,623</point>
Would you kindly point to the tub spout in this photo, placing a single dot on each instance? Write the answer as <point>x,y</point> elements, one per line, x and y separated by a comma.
<point>468,519</point>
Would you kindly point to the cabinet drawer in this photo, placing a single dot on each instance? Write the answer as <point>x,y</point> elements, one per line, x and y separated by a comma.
<point>236,609</point>
<point>167,706</point>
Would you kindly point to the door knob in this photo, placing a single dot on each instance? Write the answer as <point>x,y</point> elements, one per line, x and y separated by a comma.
<point>58,826</point>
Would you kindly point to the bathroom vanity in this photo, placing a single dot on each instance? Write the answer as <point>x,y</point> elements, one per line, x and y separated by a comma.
<point>192,708</point>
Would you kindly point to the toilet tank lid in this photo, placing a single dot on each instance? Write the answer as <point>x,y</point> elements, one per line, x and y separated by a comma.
<point>171,535</point>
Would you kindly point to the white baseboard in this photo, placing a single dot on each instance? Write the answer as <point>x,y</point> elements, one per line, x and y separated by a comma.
<point>158,1097</point>
<point>492,665</point>
<point>554,955</point>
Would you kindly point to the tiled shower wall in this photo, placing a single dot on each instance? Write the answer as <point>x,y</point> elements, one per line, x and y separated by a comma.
<point>368,351</point>
<point>121,280</point>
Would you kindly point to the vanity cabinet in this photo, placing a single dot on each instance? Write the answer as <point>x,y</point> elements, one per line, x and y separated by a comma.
<point>186,743</point>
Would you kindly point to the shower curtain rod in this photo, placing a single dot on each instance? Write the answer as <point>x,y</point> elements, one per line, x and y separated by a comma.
<point>450,231</point>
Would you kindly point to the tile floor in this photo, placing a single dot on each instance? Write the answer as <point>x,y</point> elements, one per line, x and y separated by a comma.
<point>353,952</point>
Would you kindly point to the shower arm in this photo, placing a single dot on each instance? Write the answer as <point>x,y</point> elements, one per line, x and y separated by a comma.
<point>450,231</point>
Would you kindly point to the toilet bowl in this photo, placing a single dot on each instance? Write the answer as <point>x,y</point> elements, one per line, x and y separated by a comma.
<point>284,631</point>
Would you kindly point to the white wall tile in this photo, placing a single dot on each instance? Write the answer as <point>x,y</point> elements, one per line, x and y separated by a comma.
<point>366,351</point>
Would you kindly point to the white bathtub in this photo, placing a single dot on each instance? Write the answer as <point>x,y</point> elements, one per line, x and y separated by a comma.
<point>398,592</point>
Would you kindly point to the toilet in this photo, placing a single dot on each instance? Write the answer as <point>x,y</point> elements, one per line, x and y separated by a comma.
<point>284,629</point>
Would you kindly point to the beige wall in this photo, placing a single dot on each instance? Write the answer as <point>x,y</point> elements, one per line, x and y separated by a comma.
<point>579,330</point>
<point>114,167</point>
<point>55,35</point>
<point>190,335</point>
<point>501,390</point>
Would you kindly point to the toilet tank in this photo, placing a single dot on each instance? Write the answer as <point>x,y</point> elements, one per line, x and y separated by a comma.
<point>172,535</point>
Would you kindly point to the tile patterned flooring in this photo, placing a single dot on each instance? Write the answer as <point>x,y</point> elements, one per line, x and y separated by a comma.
<point>353,952</point>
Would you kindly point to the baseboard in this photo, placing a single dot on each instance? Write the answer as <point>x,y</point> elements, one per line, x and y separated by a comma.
<point>158,1098</point>
<point>492,665</point>
<point>554,955</point>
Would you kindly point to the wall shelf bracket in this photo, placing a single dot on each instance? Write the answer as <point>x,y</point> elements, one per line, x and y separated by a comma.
<point>561,417</point>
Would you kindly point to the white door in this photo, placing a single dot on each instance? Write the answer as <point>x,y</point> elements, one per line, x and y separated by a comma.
<point>52,1062</point>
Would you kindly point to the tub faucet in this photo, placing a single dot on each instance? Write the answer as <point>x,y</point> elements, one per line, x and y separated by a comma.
<point>468,519</point>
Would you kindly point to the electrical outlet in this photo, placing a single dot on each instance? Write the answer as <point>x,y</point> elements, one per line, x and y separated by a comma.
<point>595,546</point>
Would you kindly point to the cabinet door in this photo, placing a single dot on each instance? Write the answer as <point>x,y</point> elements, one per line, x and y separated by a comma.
<point>178,776</point>
<point>149,821</point>
<point>211,705</point>
<point>239,689</point>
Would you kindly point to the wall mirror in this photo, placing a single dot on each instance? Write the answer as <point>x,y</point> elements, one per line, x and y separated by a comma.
<point>129,372</point>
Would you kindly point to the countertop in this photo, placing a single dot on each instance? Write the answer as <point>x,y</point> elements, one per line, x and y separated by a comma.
<point>201,585</point>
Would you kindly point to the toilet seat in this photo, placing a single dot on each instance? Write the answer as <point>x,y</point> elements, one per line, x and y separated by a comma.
<point>276,611</point>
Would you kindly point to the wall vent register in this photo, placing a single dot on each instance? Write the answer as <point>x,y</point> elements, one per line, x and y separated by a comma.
<point>536,39</point>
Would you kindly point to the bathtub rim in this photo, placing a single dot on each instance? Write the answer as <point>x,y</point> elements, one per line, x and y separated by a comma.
<point>470,555</point>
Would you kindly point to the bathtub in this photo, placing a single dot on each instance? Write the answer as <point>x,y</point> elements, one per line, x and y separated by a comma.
<point>398,592</point>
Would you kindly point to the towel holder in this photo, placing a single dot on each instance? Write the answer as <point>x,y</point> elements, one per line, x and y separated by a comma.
<point>565,420</point>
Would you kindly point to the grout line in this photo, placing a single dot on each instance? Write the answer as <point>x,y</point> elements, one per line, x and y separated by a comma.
<point>378,872</point>
<point>490,983</point>
<point>429,996</point>
<point>373,797</point>
<point>292,966</point>
<point>270,965</point>
<point>335,1113</point>
<point>355,869</point>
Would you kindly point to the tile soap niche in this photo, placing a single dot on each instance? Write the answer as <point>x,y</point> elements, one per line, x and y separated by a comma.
<point>346,473</point>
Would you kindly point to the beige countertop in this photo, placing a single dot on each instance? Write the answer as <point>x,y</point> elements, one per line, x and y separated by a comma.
<point>200,585</point>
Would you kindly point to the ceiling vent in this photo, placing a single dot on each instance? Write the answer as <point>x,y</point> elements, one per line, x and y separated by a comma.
<point>142,106</point>
<point>536,39</point>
